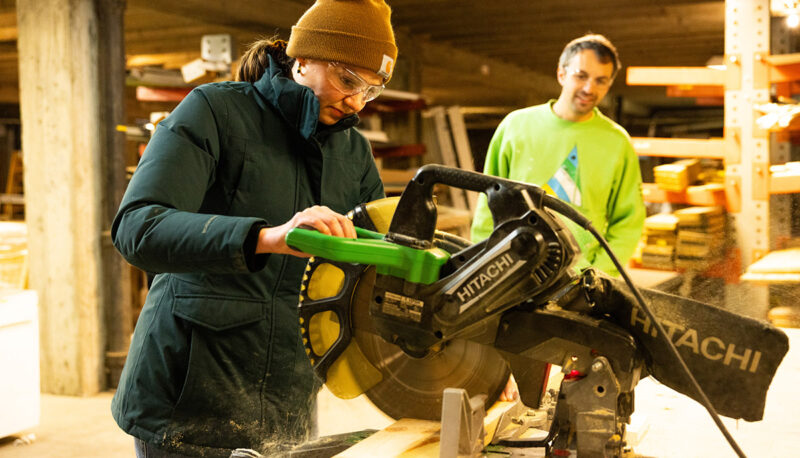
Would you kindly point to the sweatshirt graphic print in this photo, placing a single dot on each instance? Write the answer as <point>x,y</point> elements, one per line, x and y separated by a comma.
<point>565,182</point>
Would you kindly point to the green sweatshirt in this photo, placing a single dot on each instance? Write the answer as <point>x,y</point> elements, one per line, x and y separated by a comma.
<point>590,164</point>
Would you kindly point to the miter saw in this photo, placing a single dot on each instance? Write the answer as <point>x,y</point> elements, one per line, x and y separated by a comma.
<point>405,311</point>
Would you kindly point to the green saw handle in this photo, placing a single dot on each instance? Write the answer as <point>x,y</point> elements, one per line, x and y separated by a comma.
<point>411,264</point>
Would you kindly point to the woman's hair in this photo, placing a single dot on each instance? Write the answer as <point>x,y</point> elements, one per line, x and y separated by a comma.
<point>255,60</point>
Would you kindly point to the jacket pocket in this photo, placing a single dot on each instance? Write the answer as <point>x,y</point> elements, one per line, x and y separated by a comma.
<point>219,405</point>
<point>217,313</point>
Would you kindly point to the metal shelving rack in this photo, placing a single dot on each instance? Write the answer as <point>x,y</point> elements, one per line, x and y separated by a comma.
<point>756,62</point>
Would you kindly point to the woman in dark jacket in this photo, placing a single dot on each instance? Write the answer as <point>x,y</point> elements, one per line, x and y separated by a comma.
<point>216,362</point>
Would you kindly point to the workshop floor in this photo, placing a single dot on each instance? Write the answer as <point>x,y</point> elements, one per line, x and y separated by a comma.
<point>672,425</point>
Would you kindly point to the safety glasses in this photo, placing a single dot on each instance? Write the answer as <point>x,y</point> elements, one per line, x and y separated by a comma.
<point>349,83</point>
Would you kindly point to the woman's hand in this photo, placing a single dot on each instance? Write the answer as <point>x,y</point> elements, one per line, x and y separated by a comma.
<point>318,217</point>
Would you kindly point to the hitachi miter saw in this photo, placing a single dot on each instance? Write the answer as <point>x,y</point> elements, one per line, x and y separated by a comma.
<point>405,311</point>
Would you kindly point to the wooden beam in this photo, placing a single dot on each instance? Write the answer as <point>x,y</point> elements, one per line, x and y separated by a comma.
<point>670,76</point>
<point>485,72</point>
<point>713,148</point>
<point>784,73</point>
<point>9,93</point>
<point>785,178</point>
<point>626,44</point>
<point>696,91</point>
<point>531,14</point>
<point>8,33</point>
<point>161,94</point>
<point>706,195</point>
<point>783,59</point>
<point>149,34</point>
<point>255,15</point>
<point>8,26</point>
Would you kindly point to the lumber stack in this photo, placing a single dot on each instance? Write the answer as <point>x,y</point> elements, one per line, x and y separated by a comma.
<point>700,237</point>
<point>660,237</point>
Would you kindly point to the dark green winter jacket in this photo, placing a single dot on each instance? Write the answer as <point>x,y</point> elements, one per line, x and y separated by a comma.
<point>216,361</point>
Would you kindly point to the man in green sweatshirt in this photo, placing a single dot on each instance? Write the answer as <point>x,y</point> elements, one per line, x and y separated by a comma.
<point>568,147</point>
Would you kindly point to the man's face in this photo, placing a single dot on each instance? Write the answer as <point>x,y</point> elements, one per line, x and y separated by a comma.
<point>585,80</point>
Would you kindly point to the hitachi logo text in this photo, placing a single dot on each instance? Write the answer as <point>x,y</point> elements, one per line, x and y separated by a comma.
<point>483,277</point>
<point>709,347</point>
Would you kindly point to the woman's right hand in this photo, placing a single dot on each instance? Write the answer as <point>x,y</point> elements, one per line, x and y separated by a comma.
<point>318,217</point>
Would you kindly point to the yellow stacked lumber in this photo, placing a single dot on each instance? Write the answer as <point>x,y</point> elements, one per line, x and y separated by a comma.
<point>701,236</point>
<point>659,236</point>
<point>678,175</point>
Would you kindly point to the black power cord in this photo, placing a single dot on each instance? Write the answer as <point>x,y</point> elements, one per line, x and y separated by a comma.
<point>569,212</point>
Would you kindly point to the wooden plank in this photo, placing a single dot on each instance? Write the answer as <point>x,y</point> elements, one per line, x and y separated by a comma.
<point>670,76</point>
<point>785,178</point>
<point>771,278</point>
<point>704,92</point>
<point>777,262</point>
<point>463,151</point>
<point>161,94</point>
<point>713,148</point>
<point>394,94</point>
<point>399,150</point>
<point>397,175</point>
<point>410,438</point>
<point>9,93</point>
<point>784,73</point>
<point>783,59</point>
<point>445,144</point>
<point>166,60</point>
<point>453,220</point>
<point>8,33</point>
<point>706,195</point>
<point>12,199</point>
<point>396,439</point>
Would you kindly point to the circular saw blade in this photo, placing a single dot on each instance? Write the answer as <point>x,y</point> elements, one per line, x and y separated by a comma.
<point>409,387</point>
<point>412,387</point>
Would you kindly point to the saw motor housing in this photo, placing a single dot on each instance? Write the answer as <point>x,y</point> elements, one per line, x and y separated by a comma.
<point>528,252</point>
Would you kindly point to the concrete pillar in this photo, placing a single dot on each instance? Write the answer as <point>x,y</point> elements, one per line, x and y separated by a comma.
<point>116,274</point>
<point>66,115</point>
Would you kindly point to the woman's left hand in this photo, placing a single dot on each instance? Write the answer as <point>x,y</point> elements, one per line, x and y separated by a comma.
<point>318,217</point>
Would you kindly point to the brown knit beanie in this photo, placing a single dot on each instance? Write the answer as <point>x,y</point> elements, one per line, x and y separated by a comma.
<point>354,32</point>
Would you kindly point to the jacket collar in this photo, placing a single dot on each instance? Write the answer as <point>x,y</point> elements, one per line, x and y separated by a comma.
<point>296,103</point>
